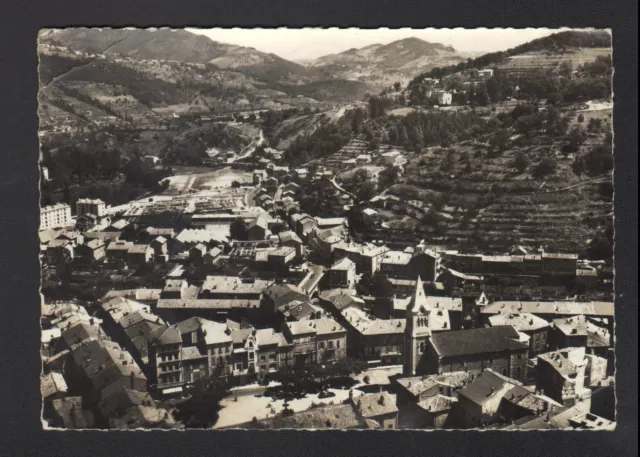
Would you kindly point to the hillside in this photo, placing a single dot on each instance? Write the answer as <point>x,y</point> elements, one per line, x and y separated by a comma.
<point>175,45</point>
<point>564,44</point>
<point>381,65</point>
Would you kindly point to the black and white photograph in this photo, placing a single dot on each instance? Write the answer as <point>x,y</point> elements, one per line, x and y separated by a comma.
<point>326,228</point>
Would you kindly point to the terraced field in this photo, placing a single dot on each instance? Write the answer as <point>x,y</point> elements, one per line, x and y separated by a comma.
<point>547,60</point>
<point>496,207</point>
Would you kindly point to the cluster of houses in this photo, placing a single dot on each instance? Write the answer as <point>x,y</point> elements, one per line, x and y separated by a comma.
<point>254,291</point>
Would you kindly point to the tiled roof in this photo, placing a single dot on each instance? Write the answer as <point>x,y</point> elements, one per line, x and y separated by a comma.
<point>595,308</point>
<point>521,322</point>
<point>373,405</point>
<point>476,341</point>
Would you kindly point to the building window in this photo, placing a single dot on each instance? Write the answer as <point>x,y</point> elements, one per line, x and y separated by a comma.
<point>321,345</point>
<point>338,344</point>
<point>330,344</point>
<point>421,347</point>
<point>251,356</point>
<point>504,372</point>
<point>262,358</point>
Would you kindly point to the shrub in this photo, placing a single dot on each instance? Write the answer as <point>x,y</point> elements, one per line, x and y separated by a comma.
<point>546,167</point>
<point>520,162</point>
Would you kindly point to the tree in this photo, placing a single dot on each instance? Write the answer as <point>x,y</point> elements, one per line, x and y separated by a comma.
<point>239,230</point>
<point>397,85</point>
<point>388,176</point>
<point>449,162</point>
<point>544,168</point>
<point>581,118</point>
<point>520,162</point>
<point>595,125</point>
<point>499,140</point>
<point>493,90</point>
<point>599,160</point>
<point>576,138</point>
<point>201,409</point>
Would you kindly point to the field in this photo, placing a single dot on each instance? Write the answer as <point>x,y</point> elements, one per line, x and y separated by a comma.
<point>196,179</point>
<point>547,60</point>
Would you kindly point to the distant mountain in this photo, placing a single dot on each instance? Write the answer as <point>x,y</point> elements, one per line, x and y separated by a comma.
<point>175,45</point>
<point>383,62</point>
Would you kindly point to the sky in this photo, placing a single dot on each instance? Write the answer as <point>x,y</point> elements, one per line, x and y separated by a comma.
<point>310,43</point>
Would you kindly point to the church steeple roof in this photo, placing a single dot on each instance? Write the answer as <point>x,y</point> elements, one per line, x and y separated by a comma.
<point>418,299</point>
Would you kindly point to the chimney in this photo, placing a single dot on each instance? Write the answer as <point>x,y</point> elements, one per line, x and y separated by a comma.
<point>381,400</point>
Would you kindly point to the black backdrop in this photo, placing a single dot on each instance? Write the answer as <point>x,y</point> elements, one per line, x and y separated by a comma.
<point>21,430</point>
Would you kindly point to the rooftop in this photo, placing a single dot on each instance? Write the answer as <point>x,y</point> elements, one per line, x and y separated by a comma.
<point>566,307</point>
<point>521,322</point>
<point>234,285</point>
<point>343,264</point>
<point>477,341</point>
<point>369,325</point>
<point>418,384</point>
<point>490,384</point>
<point>334,416</point>
<point>374,405</point>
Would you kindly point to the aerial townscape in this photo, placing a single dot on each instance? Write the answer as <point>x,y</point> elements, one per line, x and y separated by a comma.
<point>399,236</point>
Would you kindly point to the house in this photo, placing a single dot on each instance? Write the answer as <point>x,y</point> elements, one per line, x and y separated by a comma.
<point>492,397</point>
<point>564,375</point>
<point>277,295</point>
<point>197,252</point>
<point>370,216</point>
<point>159,245</point>
<point>577,331</point>
<point>331,338</point>
<point>174,288</point>
<point>279,259</point>
<point>291,239</point>
<point>101,367</point>
<point>117,251</point>
<point>378,341</point>
<point>139,254</point>
<point>499,348</point>
<point>367,257</point>
<point>59,249</point>
<point>68,413</point>
<point>257,229</point>
<point>86,222</point>
<point>258,176</point>
<point>270,355</point>
<point>529,324</point>
<point>271,184</point>
<point>218,347</point>
<point>302,335</point>
<point>325,223</point>
<point>325,240</point>
<point>95,207</point>
<point>210,257</point>
<point>300,310</point>
<point>396,264</point>
<point>378,407</point>
<point>92,250</point>
<point>342,273</point>
<point>167,359</point>
<point>428,400</point>
<point>337,300</point>
<point>53,385</point>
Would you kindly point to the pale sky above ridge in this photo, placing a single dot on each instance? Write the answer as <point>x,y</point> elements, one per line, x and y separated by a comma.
<point>310,43</point>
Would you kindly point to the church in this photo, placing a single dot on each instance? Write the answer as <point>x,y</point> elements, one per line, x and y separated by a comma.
<point>432,348</point>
